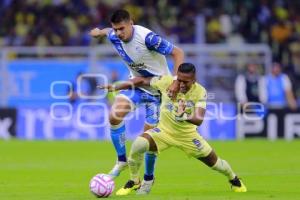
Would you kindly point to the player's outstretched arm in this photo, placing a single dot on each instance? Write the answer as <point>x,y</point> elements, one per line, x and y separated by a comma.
<point>131,83</point>
<point>96,32</point>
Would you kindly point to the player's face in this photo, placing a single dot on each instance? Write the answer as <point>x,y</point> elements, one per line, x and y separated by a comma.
<point>123,30</point>
<point>186,80</point>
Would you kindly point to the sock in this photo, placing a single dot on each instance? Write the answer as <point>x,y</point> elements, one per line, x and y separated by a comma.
<point>138,148</point>
<point>223,167</point>
<point>150,159</point>
<point>117,133</point>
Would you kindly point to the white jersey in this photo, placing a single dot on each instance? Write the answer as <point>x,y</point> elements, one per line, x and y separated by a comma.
<point>144,54</point>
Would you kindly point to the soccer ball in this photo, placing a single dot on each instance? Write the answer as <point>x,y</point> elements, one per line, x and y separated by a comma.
<point>102,185</point>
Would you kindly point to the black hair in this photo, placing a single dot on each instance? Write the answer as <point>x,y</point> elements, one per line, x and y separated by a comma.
<point>120,16</point>
<point>187,68</point>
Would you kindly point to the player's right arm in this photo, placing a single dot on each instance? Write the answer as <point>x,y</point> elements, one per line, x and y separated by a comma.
<point>98,33</point>
<point>131,83</point>
<point>159,82</point>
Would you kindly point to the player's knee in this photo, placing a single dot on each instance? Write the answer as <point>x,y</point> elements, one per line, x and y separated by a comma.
<point>114,118</point>
<point>210,160</point>
<point>139,146</point>
<point>152,144</point>
<point>118,111</point>
<point>117,116</point>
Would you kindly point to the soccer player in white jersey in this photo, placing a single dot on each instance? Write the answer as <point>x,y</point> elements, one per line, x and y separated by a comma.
<point>144,54</point>
<point>177,126</point>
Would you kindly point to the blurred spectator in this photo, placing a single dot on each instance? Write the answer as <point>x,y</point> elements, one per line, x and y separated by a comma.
<point>214,31</point>
<point>295,62</point>
<point>276,90</point>
<point>246,85</point>
<point>82,87</point>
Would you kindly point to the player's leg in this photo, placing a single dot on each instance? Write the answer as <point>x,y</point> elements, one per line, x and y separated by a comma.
<point>159,141</point>
<point>120,108</point>
<point>140,145</point>
<point>196,146</point>
<point>150,158</point>
<point>222,166</point>
<point>152,116</point>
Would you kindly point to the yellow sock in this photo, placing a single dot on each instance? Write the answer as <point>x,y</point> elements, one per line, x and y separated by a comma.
<point>138,148</point>
<point>223,167</point>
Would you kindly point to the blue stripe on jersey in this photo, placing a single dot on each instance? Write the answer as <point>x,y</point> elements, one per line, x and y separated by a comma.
<point>158,44</point>
<point>118,45</point>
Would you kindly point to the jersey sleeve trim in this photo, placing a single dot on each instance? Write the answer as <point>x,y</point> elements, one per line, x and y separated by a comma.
<point>156,43</point>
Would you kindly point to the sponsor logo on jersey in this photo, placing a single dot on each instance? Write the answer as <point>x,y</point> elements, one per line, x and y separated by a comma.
<point>137,66</point>
<point>157,130</point>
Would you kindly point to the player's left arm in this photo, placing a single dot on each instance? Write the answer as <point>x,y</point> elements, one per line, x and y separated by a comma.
<point>196,118</point>
<point>157,43</point>
<point>178,57</point>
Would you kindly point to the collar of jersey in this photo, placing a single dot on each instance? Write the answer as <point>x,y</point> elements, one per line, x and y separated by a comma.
<point>190,90</point>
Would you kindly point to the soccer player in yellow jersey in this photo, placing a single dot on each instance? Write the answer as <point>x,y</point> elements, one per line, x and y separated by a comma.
<point>177,125</point>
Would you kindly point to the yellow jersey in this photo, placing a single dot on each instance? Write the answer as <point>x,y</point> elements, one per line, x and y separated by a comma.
<point>195,97</point>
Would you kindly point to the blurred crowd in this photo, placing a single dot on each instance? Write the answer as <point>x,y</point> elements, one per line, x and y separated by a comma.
<point>273,89</point>
<point>68,22</point>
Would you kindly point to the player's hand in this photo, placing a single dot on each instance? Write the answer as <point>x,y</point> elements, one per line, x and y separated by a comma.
<point>180,114</point>
<point>182,117</point>
<point>96,32</point>
<point>173,90</point>
<point>108,87</point>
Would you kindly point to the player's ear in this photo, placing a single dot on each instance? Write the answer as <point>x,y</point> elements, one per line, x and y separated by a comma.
<point>131,22</point>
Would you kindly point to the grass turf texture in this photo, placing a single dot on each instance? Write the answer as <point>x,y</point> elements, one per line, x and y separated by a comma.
<point>62,170</point>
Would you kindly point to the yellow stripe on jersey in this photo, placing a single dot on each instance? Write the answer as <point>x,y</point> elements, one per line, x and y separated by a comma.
<point>195,97</point>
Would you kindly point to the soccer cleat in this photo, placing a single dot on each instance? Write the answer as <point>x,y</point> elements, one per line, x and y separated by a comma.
<point>128,188</point>
<point>117,169</point>
<point>145,187</point>
<point>237,185</point>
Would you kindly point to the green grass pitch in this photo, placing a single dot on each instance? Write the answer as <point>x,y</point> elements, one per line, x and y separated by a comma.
<point>35,170</point>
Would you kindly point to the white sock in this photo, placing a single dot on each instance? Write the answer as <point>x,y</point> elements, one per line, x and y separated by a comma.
<point>223,167</point>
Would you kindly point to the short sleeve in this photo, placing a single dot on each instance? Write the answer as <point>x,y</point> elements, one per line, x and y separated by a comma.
<point>161,82</point>
<point>157,43</point>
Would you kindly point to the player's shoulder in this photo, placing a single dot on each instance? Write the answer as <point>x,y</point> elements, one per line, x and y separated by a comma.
<point>141,31</point>
<point>164,78</point>
<point>199,89</point>
<point>167,78</point>
<point>162,81</point>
